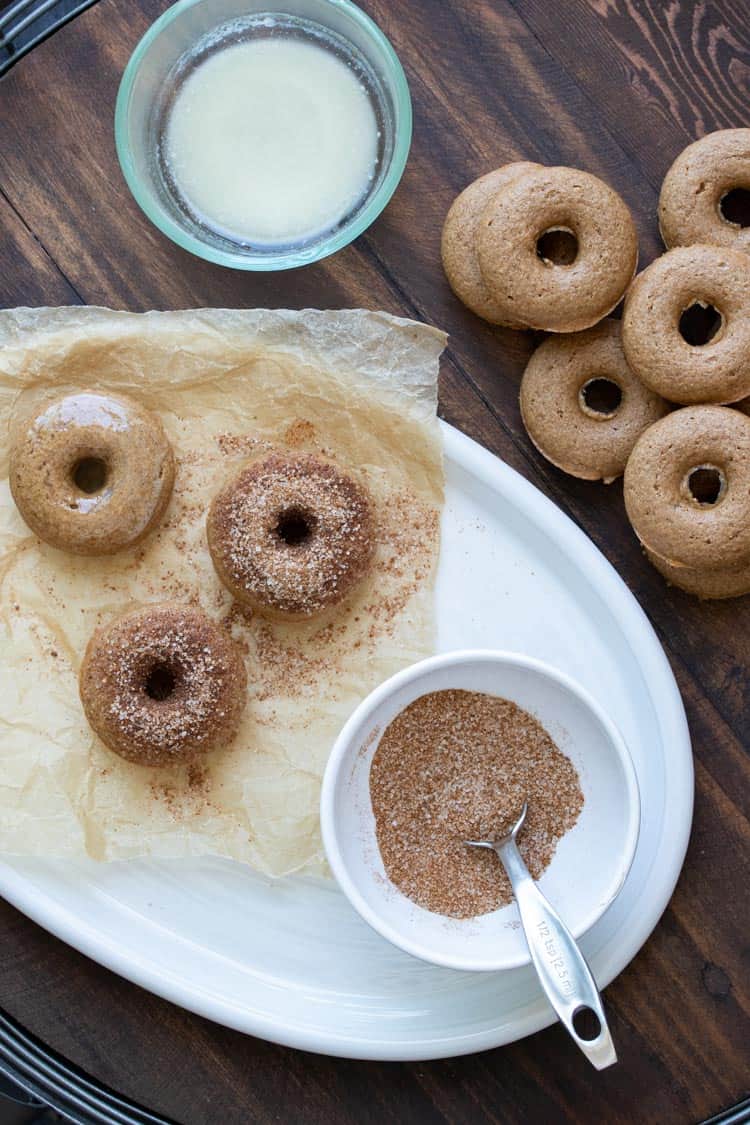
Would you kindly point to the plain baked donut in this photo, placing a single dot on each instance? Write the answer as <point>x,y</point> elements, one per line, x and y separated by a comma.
<point>557,249</point>
<point>705,196</point>
<point>163,684</point>
<point>709,583</point>
<point>290,535</point>
<point>687,488</point>
<point>582,406</point>
<point>458,243</point>
<point>91,473</point>
<point>686,325</point>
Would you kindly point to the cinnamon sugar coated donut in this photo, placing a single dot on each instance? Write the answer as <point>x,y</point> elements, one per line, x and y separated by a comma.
<point>686,325</point>
<point>163,684</point>
<point>458,244</point>
<point>582,406</point>
<point>705,196</point>
<point>291,535</point>
<point>687,488</point>
<point>557,249</point>
<point>91,473</point>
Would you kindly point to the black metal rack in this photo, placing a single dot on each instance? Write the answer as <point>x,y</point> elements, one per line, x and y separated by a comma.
<point>24,24</point>
<point>36,1077</point>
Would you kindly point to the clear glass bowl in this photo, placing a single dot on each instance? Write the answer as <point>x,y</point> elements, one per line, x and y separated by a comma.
<point>152,77</point>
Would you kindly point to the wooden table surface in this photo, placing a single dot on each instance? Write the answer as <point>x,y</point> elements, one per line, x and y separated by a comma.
<point>617,87</point>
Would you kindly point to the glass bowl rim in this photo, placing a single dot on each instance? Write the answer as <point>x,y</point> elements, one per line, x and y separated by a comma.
<point>285,259</point>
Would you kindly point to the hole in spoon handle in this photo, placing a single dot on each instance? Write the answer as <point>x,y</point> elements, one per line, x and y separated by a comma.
<point>590,1031</point>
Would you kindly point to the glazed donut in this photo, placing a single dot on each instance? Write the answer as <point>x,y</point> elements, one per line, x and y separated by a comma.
<point>686,325</point>
<point>91,473</point>
<point>290,535</point>
<point>162,685</point>
<point>458,244</point>
<point>582,406</point>
<point>687,488</point>
<point>705,196</point>
<point>557,248</point>
<point>709,583</point>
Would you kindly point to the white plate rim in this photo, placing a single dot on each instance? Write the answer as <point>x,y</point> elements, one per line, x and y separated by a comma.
<point>670,715</point>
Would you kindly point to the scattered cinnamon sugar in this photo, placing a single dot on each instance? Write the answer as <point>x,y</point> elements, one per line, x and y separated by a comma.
<point>232,445</point>
<point>299,432</point>
<point>456,766</point>
<point>186,794</point>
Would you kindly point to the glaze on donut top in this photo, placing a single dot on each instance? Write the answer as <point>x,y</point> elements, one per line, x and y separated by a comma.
<point>686,325</point>
<point>91,473</point>
<point>290,535</point>
<point>687,488</point>
<point>557,249</point>
<point>163,684</point>
<point>582,406</point>
<point>458,244</point>
<point>705,196</point>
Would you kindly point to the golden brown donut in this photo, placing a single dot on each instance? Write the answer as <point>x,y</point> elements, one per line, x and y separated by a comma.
<point>458,243</point>
<point>557,249</point>
<point>163,684</point>
<point>290,535</point>
<point>705,196</point>
<point>686,325</point>
<point>91,473</point>
<point>687,488</point>
<point>709,583</point>
<point>582,406</point>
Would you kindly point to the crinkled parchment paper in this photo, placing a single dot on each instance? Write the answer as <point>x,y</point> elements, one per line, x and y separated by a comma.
<point>360,386</point>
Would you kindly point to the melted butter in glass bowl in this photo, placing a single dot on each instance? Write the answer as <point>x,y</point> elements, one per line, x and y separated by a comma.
<point>262,140</point>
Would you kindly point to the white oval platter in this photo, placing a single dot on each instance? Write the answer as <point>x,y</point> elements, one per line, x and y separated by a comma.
<point>290,960</point>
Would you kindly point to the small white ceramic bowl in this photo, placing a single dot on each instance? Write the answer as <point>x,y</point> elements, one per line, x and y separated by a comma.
<point>590,863</point>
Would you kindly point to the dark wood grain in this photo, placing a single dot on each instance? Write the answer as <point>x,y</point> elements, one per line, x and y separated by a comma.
<point>614,86</point>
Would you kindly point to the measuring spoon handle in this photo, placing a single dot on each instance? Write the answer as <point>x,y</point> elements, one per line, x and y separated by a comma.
<point>564,975</point>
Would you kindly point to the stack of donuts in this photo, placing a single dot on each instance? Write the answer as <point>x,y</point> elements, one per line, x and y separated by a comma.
<point>663,395</point>
<point>290,536</point>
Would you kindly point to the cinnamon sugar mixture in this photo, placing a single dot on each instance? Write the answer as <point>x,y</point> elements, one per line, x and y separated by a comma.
<point>456,766</point>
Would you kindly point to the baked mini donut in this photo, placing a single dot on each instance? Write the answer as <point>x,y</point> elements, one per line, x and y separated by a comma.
<point>686,325</point>
<point>705,196</point>
<point>709,583</point>
<point>91,473</point>
<point>163,684</point>
<point>687,488</point>
<point>290,535</point>
<point>582,406</point>
<point>458,243</point>
<point>557,249</point>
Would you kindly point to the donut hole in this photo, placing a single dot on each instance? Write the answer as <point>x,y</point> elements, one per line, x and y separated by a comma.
<point>557,246</point>
<point>734,207</point>
<point>160,682</point>
<point>89,474</point>
<point>294,527</point>
<point>600,397</point>
<point>700,323</point>
<point>706,485</point>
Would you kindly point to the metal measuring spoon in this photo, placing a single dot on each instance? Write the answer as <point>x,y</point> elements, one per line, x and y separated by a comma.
<point>560,965</point>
